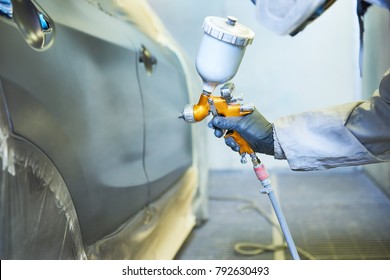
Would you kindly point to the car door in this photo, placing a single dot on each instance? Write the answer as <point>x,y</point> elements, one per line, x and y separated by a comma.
<point>79,102</point>
<point>168,142</point>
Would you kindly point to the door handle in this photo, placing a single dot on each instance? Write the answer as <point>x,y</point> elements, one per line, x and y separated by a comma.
<point>145,57</point>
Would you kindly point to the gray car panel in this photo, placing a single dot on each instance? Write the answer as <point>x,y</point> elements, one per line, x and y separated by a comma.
<point>84,87</point>
<point>104,118</point>
<point>168,143</point>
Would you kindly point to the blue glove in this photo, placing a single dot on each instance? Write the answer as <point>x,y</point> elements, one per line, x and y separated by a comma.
<point>254,128</point>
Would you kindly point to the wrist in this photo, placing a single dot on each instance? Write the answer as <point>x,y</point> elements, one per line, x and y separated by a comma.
<point>278,151</point>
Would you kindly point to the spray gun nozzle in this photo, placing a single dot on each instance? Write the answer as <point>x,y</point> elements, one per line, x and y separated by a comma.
<point>188,114</point>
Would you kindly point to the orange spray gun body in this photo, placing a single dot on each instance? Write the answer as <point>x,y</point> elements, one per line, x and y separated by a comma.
<point>225,105</point>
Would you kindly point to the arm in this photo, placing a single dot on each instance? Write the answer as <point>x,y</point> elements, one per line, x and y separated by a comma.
<point>350,134</point>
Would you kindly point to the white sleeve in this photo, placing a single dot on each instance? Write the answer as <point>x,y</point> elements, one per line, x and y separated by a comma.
<point>337,136</point>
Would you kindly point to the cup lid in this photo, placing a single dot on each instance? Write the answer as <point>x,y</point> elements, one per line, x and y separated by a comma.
<point>228,30</point>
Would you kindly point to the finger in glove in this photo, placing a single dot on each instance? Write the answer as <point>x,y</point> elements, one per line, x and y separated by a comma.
<point>232,144</point>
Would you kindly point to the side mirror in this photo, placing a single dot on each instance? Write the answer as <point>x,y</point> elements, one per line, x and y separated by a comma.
<point>35,26</point>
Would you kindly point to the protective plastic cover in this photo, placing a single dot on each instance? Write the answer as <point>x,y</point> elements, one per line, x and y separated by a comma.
<point>38,220</point>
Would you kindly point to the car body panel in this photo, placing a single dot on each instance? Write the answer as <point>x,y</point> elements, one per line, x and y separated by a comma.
<point>117,145</point>
<point>166,150</point>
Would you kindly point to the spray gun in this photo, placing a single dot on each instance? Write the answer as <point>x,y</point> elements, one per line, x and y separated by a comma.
<point>219,57</point>
<point>220,54</point>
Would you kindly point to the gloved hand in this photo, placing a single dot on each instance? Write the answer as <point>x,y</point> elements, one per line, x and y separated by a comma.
<point>254,128</point>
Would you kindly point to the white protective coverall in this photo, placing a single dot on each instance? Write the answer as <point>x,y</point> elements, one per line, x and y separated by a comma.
<point>350,134</point>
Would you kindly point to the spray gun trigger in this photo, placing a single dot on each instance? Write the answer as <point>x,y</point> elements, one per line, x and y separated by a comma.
<point>213,110</point>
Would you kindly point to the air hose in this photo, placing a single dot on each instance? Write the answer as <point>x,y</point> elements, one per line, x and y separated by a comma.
<point>263,176</point>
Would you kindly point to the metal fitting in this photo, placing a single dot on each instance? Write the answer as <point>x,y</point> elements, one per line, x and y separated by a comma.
<point>227,91</point>
<point>249,107</point>
<point>243,158</point>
